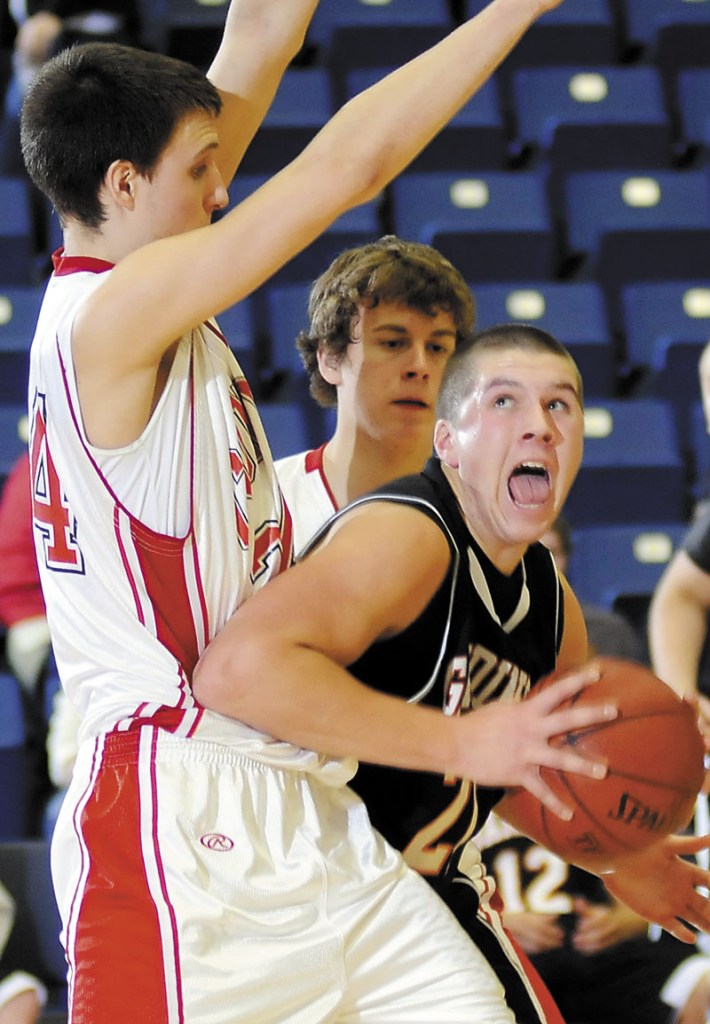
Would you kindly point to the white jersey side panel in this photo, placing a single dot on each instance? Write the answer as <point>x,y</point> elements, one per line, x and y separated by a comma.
<point>307,495</point>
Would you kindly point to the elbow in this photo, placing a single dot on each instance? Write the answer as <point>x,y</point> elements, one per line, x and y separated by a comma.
<point>221,681</point>
<point>208,681</point>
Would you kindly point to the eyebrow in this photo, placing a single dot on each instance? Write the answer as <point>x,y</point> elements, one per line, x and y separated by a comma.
<point>440,332</point>
<point>509,382</point>
<point>205,149</point>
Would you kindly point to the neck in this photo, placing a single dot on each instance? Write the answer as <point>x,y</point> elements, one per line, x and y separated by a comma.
<point>356,465</point>
<point>505,556</point>
<point>101,244</point>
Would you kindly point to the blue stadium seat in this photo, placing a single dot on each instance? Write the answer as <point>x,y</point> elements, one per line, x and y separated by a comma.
<point>13,435</point>
<point>355,33</point>
<point>302,105</point>
<point>287,311</point>
<point>578,31</point>
<point>692,106</point>
<point>238,325</point>
<point>699,441</point>
<point>623,226</point>
<point>674,378</point>
<point>390,18</point>
<point>613,561</point>
<point>593,116</point>
<point>598,203</point>
<point>14,761</point>
<point>666,326</point>
<point>632,466</point>
<point>494,226</point>
<point>287,427</point>
<point>16,233</point>
<point>475,138</point>
<point>188,29</point>
<point>658,313</point>
<point>574,312</point>
<point>34,943</point>
<point>19,307</point>
<point>671,33</point>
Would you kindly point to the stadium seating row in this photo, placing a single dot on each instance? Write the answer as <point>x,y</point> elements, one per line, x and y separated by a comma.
<point>341,31</point>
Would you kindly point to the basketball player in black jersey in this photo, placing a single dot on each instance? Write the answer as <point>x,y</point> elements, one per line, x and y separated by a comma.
<point>435,590</point>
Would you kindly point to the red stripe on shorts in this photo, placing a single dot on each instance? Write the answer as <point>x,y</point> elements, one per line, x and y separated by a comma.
<point>119,974</point>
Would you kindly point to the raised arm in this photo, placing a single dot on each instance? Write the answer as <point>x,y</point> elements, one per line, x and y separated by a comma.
<point>179,281</point>
<point>261,38</point>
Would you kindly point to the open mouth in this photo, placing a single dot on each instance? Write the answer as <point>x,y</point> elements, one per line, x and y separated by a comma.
<point>529,485</point>
<point>411,403</point>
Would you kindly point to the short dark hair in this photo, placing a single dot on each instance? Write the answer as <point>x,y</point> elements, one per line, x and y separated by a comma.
<point>96,103</point>
<point>388,270</point>
<point>461,370</point>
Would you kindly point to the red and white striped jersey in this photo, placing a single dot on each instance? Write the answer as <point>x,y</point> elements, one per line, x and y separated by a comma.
<point>145,551</point>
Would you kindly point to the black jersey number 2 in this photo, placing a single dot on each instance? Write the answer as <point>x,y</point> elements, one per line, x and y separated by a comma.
<point>427,852</point>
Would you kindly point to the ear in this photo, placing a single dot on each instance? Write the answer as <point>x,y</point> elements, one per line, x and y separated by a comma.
<point>445,444</point>
<point>329,366</point>
<point>120,184</point>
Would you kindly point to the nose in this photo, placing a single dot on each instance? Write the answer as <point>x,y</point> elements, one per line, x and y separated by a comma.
<point>542,425</point>
<point>218,197</point>
<point>417,364</point>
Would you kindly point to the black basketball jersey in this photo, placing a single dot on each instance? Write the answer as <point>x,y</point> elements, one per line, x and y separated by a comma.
<point>483,636</point>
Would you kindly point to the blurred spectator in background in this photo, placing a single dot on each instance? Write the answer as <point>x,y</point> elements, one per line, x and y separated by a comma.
<point>594,954</point>
<point>22,610</point>
<point>36,30</point>
<point>22,996</point>
<point>608,631</point>
<point>22,613</point>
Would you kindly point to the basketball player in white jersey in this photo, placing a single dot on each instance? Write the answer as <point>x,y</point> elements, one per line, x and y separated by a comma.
<point>206,871</point>
<point>385,317</point>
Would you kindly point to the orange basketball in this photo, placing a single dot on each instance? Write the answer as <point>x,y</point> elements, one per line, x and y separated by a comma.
<point>654,751</point>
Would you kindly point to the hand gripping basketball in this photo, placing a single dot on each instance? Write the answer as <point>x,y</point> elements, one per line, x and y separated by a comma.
<point>654,753</point>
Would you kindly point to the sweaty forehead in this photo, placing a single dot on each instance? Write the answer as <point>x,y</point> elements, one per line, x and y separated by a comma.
<point>525,369</point>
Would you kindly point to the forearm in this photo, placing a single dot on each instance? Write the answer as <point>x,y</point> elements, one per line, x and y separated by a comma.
<point>395,119</point>
<point>261,38</point>
<point>320,706</point>
<point>677,628</point>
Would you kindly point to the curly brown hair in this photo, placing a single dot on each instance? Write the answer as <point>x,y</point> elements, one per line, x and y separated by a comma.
<point>388,270</point>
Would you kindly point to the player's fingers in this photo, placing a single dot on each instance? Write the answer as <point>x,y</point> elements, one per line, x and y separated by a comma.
<point>696,915</point>
<point>565,759</point>
<point>566,687</point>
<point>685,846</point>
<point>539,789</point>
<point>569,719</point>
<point>681,931</point>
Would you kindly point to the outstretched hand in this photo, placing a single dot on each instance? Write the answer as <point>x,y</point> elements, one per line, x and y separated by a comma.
<point>658,884</point>
<point>509,743</point>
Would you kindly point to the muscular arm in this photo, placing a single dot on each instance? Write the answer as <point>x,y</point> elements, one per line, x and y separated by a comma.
<point>260,39</point>
<point>678,623</point>
<point>279,663</point>
<point>177,282</point>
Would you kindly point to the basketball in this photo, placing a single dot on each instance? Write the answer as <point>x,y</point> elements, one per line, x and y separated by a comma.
<point>654,753</point>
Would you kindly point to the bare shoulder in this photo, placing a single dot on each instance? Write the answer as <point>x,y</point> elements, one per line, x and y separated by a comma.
<point>391,529</point>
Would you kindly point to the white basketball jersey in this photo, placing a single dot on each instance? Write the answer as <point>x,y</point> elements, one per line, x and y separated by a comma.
<point>308,496</point>
<point>145,552</point>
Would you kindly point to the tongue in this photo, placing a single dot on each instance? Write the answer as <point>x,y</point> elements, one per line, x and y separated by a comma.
<point>529,488</point>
